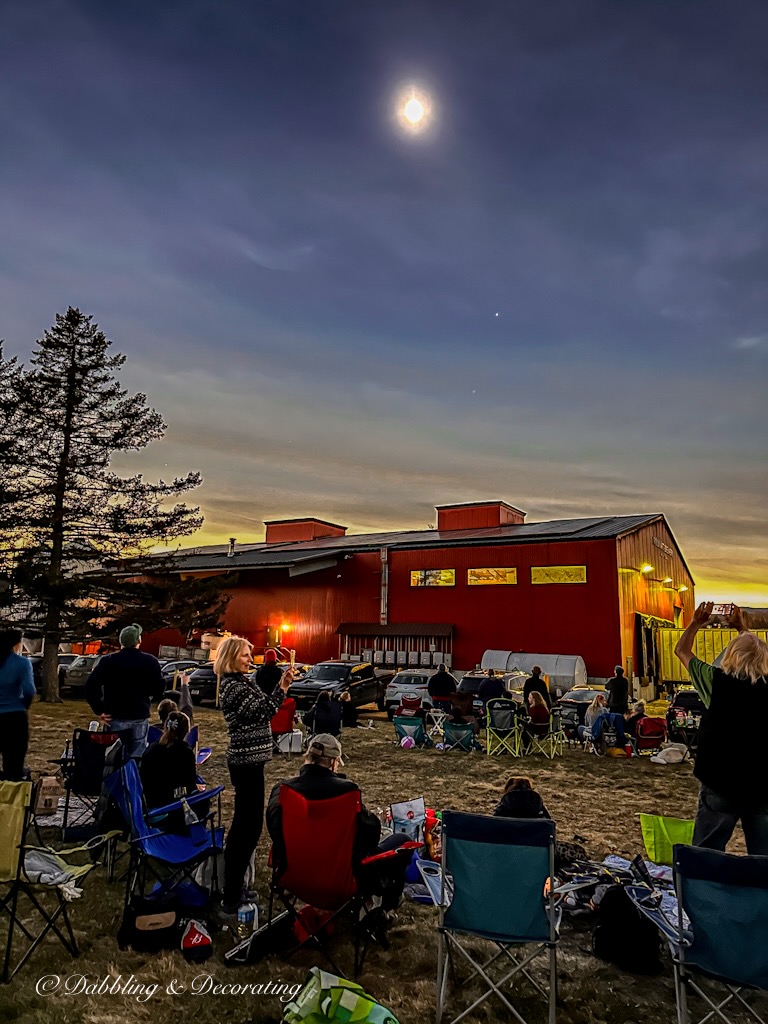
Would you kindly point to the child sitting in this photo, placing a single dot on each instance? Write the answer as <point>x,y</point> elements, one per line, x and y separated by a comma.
<point>168,769</point>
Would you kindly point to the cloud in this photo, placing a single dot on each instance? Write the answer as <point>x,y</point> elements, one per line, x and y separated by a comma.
<point>751,343</point>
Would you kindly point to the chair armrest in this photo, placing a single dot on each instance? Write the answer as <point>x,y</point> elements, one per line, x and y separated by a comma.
<point>192,799</point>
<point>376,858</point>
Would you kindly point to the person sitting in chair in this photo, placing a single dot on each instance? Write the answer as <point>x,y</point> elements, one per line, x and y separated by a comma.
<point>633,717</point>
<point>348,711</point>
<point>461,711</point>
<point>325,715</point>
<point>320,779</point>
<point>168,769</point>
<point>538,719</point>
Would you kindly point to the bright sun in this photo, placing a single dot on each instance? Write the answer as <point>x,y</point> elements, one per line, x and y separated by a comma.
<point>414,110</point>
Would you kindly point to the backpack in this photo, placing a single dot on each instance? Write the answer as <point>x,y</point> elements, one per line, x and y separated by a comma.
<point>149,925</point>
<point>624,936</point>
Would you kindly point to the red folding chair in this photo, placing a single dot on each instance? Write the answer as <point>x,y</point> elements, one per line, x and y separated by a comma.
<point>650,734</point>
<point>319,839</point>
<point>281,724</point>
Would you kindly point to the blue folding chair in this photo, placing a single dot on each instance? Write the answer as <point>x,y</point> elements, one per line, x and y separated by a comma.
<point>459,736</point>
<point>719,930</point>
<point>413,727</point>
<point>497,884</point>
<point>166,857</point>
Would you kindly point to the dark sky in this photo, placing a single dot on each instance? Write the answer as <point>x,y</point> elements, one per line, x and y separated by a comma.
<point>309,294</point>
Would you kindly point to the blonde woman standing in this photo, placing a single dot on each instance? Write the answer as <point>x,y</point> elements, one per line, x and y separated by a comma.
<point>247,712</point>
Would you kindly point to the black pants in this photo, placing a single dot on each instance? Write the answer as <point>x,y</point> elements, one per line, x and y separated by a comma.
<point>245,830</point>
<point>14,740</point>
<point>387,877</point>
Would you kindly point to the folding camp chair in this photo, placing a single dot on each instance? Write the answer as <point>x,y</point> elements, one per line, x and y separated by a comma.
<point>319,841</point>
<point>650,735</point>
<point>717,936</point>
<point>413,727</point>
<point>662,834</point>
<point>156,854</point>
<point>459,736</point>
<point>282,724</point>
<point>18,880</point>
<point>501,871</point>
<point>154,732</point>
<point>502,730</point>
<point>83,766</point>
<point>550,743</point>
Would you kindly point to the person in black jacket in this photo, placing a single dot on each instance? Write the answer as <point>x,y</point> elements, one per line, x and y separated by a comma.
<point>168,769</point>
<point>442,685</point>
<point>121,688</point>
<point>617,690</point>
<point>732,776</point>
<point>534,683</point>
<point>268,675</point>
<point>491,688</point>
<point>325,715</point>
<point>520,800</point>
<point>319,779</point>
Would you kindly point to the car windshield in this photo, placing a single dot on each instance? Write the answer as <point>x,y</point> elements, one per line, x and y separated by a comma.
<point>410,680</point>
<point>80,662</point>
<point>585,695</point>
<point>328,674</point>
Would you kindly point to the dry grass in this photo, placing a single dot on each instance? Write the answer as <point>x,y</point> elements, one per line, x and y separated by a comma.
<point>595,798</point>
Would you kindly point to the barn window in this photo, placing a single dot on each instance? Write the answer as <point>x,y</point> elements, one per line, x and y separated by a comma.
<point>491,577</point>
<point>433,577</point>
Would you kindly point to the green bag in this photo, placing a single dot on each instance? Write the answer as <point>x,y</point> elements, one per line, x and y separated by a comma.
<point>328,998</point>
<point>660,834</point>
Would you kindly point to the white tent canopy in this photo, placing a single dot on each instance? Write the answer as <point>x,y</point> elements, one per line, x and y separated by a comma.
<point>563,670</point>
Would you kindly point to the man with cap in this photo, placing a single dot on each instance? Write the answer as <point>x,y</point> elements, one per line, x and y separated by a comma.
<point>121,688</point>
<point>534,682</point>
<point>320,779</point>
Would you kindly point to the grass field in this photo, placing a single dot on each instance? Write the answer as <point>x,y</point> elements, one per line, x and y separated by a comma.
<point>596,798</point>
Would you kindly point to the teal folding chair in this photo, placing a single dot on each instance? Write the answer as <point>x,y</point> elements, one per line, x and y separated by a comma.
<point>717,937</point>
<point>497,885</point>
<point>413,727</point>
<point>459,736</point>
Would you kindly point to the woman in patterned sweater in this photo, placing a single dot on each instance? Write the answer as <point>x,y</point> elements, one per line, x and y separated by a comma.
<point>247,711</point>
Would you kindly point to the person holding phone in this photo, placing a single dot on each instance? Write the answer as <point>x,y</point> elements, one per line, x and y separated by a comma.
<point>247,712</point>
<point>733,776</point>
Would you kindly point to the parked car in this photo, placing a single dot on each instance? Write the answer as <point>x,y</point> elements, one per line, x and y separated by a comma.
<point>77,674</point>
<point>170,668</point>
<point>359,679</point>
<point>202,684</point>
<point>409,681</point>
<point>573,707</point>
<point>513,684</point>
<point>65,660</point>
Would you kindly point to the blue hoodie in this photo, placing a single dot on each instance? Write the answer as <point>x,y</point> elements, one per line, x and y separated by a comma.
<point>17,685</point>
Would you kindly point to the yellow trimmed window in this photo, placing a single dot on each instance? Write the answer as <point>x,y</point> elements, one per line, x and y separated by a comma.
<point>558,574</point>
<point>433,577</point>
<point>491,577</point>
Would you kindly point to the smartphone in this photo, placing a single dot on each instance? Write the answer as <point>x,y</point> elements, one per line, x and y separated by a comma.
<point>722,609</point>
<point>293,659</point>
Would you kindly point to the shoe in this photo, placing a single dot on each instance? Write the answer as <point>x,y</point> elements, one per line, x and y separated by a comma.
<point>225,915</point>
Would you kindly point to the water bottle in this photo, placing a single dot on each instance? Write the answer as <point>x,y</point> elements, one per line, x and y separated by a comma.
<point>247,917</point>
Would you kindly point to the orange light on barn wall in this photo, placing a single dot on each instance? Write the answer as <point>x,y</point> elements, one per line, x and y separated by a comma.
<point>285,627</point>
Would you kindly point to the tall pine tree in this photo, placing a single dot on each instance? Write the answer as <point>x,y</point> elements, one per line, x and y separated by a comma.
<point>86,526</point>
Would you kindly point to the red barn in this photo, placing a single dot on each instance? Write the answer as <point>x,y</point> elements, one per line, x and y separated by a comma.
<point>484,578</point>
